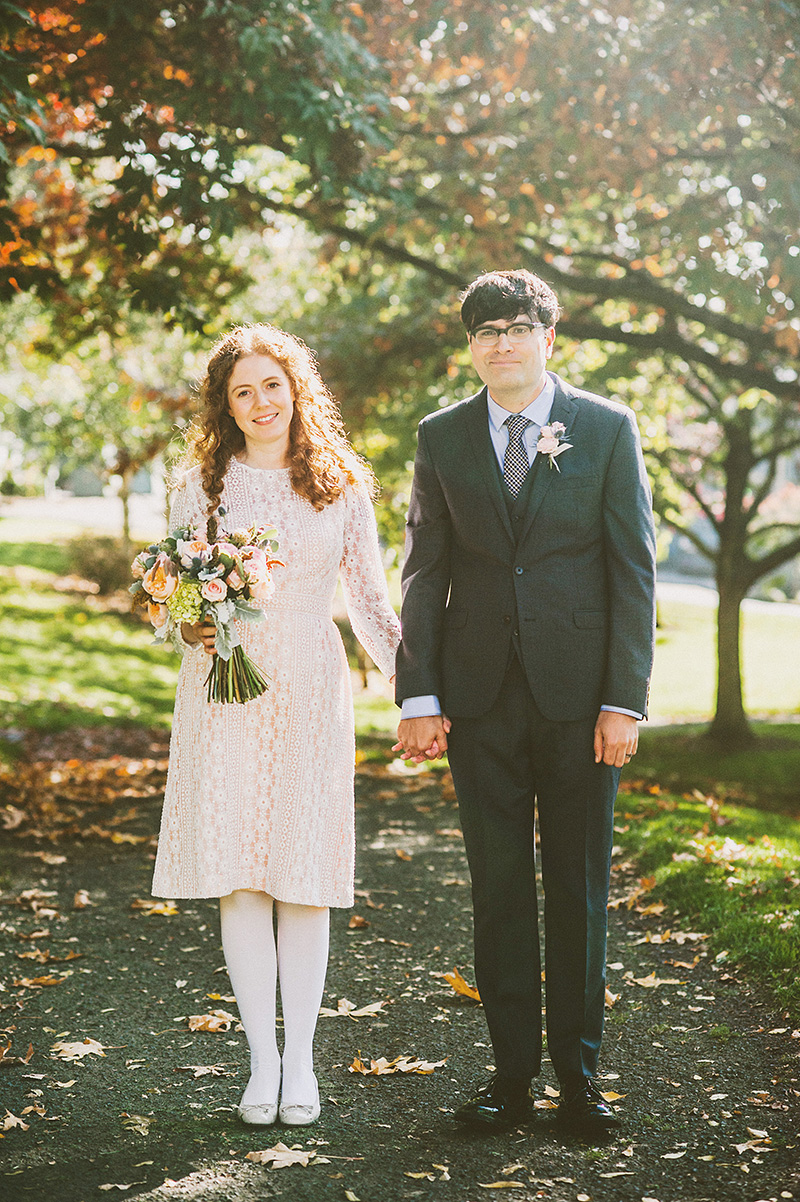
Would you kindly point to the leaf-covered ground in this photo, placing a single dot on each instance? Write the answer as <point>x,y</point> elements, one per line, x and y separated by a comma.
<point>120,1058</point>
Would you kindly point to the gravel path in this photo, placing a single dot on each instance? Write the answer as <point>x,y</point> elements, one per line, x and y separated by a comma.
<point>707,1071</point>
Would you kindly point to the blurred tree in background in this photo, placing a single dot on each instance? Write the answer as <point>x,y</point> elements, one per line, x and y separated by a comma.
<point>643,158</point>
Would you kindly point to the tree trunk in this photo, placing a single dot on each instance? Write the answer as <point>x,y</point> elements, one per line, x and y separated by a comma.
<point>125,498</point>
<point>730,727</point>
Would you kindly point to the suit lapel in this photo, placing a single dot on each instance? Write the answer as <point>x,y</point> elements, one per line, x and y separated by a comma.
<point>477,412</point>
<point>564,410</point>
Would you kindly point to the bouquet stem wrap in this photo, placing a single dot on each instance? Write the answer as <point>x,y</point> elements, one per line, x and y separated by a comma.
<point>236,678</point>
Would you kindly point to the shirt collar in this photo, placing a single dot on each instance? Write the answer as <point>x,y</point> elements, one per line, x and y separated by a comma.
<point>537,412</point>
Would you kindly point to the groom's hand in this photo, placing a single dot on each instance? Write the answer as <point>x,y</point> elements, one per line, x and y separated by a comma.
<point>422,738</point>
<point>616,738</point>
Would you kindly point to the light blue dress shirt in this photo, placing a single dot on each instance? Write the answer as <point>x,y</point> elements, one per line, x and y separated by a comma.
<point>538,414</point>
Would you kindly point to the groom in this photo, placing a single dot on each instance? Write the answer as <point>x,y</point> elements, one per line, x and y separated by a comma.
<point>528,619</point>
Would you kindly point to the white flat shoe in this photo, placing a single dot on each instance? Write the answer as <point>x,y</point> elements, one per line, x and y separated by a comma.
<point>258,1116</point>
<point>298,1115</point>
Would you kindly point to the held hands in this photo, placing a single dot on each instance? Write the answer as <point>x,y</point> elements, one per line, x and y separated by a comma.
<point>616,738</point>
<point>423,738</point>
<point>200,632</point>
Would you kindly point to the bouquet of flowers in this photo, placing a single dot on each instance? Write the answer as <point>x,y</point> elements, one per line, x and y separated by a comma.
<point>184,578</point>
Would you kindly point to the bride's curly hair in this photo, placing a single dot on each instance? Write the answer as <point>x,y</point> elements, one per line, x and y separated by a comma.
<point>321,460</point>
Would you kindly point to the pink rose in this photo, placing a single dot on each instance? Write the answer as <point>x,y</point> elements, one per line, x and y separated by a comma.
<point>157,613</point>
<point>162,579</point>
<point>547,444</point>
<point>214,590</point>
<point>224,548</point>
<point>138,566</point>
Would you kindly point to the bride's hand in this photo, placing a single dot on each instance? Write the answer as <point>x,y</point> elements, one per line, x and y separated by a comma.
<point>200,632</point>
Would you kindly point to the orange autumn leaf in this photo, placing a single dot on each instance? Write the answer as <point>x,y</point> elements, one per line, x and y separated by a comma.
<point>457,982</point>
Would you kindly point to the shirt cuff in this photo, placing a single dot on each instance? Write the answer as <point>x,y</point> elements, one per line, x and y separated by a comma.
<point>420,707</point>
<point>617,709</point>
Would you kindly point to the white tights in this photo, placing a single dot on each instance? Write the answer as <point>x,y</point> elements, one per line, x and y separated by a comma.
<point>248,942</point>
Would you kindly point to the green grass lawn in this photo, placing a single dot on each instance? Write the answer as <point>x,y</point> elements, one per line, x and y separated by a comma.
<point>68,663</point>
<point>731,871</point>
<point>684,674</point>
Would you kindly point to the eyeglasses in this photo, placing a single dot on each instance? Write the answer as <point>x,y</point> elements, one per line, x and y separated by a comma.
<point>520,331</point>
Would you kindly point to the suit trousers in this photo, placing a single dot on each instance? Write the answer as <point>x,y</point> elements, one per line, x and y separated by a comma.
<point>512,766</point>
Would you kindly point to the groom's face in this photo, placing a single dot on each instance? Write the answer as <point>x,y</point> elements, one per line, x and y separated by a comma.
<point>513,367</point>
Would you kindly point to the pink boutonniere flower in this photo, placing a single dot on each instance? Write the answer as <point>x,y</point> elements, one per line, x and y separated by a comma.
<point>550,443</point>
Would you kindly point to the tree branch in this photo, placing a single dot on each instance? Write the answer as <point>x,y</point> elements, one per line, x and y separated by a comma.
<point>772,560</point>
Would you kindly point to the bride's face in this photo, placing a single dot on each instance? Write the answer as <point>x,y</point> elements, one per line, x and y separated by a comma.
<point>261,403</point>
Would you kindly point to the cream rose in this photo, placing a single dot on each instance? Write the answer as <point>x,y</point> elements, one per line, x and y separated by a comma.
<point>214,590</point>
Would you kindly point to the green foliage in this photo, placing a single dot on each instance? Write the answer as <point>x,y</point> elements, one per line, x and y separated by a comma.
<point>103,561</point>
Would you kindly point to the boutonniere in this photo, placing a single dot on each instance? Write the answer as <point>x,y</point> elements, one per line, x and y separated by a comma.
<point>550,443</point>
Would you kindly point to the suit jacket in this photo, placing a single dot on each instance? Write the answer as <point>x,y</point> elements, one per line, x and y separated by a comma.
<point>570,579</point>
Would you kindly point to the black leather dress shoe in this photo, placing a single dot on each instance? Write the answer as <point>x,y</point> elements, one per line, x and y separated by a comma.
<point>501,1103</point>
<point>585,1110</point>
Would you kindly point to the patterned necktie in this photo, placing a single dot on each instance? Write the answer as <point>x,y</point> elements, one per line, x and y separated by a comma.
<point>516,462</point>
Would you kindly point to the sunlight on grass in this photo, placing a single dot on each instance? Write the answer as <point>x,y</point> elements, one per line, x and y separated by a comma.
<point>684,673</point>
<point>66,664</point>
<point>731,871</point>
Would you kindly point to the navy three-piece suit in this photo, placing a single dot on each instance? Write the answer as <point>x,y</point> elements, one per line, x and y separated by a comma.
<point>524,616</point>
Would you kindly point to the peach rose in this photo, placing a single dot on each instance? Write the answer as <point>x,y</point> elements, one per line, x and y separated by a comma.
<point>234,580</point>
<point>196,549</point>
<point>162,579</point>
<point>157,613</point>
<point>214,590</point>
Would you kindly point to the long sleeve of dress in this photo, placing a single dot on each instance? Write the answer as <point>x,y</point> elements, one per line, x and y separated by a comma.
<point>374,621</point>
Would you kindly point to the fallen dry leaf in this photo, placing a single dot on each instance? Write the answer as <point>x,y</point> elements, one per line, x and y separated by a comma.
<point>651,981</point>
<point>611,998</point>
<point>501,1185</point>
<point>81,900</point>
<point>282,1157</point>
<point>77,1051</point>
<point>205,1070</point>
<point>457,982</point>
<point>348,1010</point>
<point>6,1060</point>
<point>138,1123</point>
<point>9,1121</point>
<point>150,906</point>
<point>36,982</point>
<point>401,1064</point>
<point>401,854</point>
<point>357,922</point>
<point>216,1020</point>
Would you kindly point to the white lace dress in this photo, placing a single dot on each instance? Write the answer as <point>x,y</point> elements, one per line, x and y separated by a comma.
<point>260,795</point>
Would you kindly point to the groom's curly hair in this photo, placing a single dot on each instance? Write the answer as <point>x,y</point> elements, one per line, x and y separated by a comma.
<point>503,295</point>
<point>322,461</point>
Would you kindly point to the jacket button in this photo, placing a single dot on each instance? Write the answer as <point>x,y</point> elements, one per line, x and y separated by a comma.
<point>519,571</point>
<point>506,618</point>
